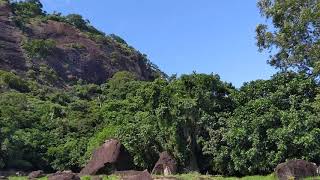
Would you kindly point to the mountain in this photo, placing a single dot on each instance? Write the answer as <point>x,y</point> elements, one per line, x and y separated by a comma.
<point>63,50</point>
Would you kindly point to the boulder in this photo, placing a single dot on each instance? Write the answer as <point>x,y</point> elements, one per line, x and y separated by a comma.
<point>63,176</point>
<point>109,157</point>
<point>36,174</point>
<point>296,169</point>
<point>166,165</point>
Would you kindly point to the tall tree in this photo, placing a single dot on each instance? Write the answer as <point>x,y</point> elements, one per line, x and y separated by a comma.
<point>294,38</point>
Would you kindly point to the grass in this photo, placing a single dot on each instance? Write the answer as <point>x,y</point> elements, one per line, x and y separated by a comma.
<point>313,178</point>
<point>195,176</point>
<point>191,176</point>
<point>82,178</point>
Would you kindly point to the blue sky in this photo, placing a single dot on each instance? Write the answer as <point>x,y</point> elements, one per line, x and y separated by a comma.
<point>182,36</point>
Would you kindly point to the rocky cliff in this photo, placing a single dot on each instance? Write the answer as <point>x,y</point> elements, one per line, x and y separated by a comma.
<point>74,54</point>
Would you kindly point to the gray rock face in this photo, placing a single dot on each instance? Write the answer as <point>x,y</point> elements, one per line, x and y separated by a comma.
<point>166,165</point>
<point>109,157</point>
<point>11,56</point>
<point>295,169</point>
<point>76,55</point>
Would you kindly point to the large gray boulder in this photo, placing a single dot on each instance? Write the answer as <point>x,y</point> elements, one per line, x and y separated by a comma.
<point>111,156</point>
<point>296,169</point>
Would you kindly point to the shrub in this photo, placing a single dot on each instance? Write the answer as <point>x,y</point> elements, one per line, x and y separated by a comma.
<point>38,48</point>
<point>99,138</point>
<point>118,39</point>
<point>77,46</point>
<point>14,82</point>
<point>28,8</point>
<point>83,25</point>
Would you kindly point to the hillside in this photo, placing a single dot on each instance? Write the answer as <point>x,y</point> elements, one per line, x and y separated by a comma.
<point>57,50</point>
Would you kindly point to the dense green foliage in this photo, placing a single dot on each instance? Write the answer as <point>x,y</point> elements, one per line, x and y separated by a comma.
<point>205,123</point>
<point>28,8</point>
<point>38,48</point>
<point>274,121</point>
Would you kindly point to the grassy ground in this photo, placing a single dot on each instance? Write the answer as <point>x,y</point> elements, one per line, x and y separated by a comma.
<point>204,177</point>
<point>82,178</point>
<point>185,177</point>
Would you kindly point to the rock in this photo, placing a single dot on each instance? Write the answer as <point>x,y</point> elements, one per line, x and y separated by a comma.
<point>63,176</point>
<point>166,165</point>
<point>139,175</point>
<point>75,57</point>
<point>36,174</point>
<point>11,55</point>
<point>111,156</point>
<point>67,171</point>
<point>295,169</point>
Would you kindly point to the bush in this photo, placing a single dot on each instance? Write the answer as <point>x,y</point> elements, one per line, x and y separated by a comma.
<point>27,8</point>
<point>38,48</point>
<point>98,139</point>
<point>83,25</point>
<point>14,82</point>
<point>118,39</point>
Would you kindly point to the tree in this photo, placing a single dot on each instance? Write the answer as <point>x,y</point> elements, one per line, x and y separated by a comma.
<point>294,39</point>
<point>118,39</point>
<point>28,8</point>
<point>198,103</point>
<point>83,25</point>
<point>274,121</point>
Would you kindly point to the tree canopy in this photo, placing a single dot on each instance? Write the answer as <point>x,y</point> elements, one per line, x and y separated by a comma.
<point>293,35</point>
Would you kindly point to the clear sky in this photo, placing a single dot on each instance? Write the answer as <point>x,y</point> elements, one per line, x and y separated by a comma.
<point>182,36</point>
